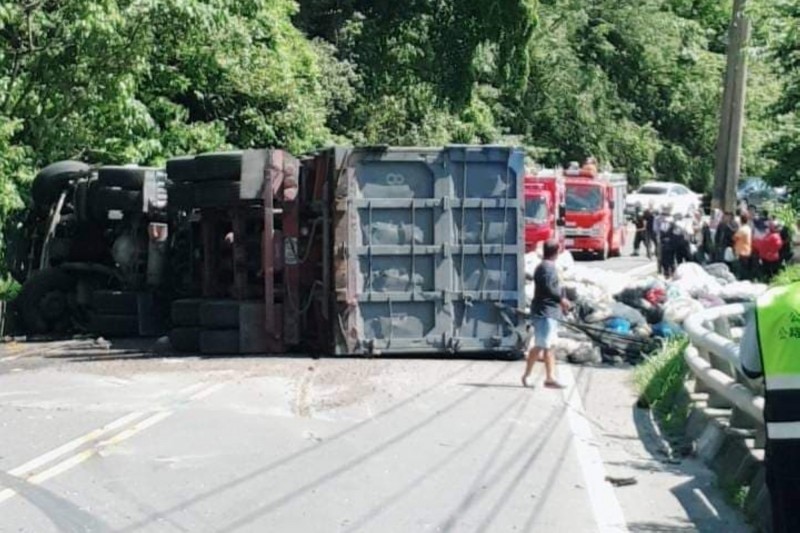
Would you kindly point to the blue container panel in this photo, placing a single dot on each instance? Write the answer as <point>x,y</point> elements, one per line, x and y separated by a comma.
<point>489,273</point>
<point>486,226</point>
<point>481,320</point>
<point>489,175</point>
<point>398,320</point>
<point>402,274</point>
<point>430,241</point>
<point>394,179</point>
<point>396,227</point>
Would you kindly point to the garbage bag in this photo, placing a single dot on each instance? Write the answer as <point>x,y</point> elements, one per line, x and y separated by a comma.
<point>565,261</point>
<point>532,260</point>
<point>694,280</point>
<point>742,291</point>
<point>627,312</point>
<point>721,272</point>
<point>680,309</point>
<point>665,330</point>
<point>656,295</point>
<point>618,325</point>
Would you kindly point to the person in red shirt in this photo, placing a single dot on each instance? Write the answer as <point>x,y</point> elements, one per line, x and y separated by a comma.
<point>771,251</point>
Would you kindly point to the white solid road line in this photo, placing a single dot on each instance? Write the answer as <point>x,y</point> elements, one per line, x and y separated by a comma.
<point>45,458</point>
<point>605,505</point>
<point>70,462</point>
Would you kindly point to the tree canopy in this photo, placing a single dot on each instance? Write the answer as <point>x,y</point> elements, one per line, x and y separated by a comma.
<point>636,83</point>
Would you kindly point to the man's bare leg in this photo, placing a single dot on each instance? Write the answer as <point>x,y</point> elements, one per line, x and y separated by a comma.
<point>550,370</point>
<point>533,355</point>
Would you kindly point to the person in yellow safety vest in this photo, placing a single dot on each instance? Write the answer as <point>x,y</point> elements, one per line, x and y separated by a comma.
<point>770,347</point>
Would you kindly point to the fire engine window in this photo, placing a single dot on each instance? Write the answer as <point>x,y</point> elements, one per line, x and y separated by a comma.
<point>536,208</point>
<point>584,198</point>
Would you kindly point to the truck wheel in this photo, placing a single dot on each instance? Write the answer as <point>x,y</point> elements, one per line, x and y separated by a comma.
<point>219,342</point>
<point>186,312</point>
<point>123,177</point>
<point>604,253</point>
<point>114,325</point>
<point>182,168</point>
<point>181,196</point>
<point>217,194</point>
<point>106,302</point>
<point>219,314</point>
<point>52,179</point>
<point>82,200</point>
<point>218,166</point>
<point>45,301</point>
<point>185,339</point>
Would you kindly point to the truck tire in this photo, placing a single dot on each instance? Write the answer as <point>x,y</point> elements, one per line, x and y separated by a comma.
<point>186,312</point>
<point>182,168</point>
<point>209,195</point>
<point>218,166</point>
<point>185,339</point>
<point>81,201</point>
<point>52,179</point>
<point>217,194</point>
<point>44,301</point>
<point>107,302</point>
<point>219,342</point>
<point>131,178</point>
<point>219,314</point>
<point>181,196</point>
<point>105,199</point>
<point>114,325</point>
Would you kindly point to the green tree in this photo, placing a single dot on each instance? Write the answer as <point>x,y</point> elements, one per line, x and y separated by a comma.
<point>785,147</point>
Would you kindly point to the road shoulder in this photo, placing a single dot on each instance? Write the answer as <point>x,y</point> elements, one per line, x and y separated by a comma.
<point>666,497</point>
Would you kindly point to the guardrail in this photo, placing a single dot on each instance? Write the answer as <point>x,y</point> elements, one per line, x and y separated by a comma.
<point>713,357</point>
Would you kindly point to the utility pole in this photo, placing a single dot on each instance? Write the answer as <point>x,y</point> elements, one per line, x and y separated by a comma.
<point>729,142</point>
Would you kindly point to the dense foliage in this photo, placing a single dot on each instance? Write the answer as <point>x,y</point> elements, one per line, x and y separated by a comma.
<point>785,148</point>
<point>636,83</point>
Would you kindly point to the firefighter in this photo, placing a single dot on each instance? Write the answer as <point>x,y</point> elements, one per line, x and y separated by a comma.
<point>769,348</point>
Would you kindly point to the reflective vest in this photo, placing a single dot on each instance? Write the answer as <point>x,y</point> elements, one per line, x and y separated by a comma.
<point>778,325</point>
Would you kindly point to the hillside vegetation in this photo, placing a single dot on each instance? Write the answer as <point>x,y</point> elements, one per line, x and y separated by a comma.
<point>636,83</point>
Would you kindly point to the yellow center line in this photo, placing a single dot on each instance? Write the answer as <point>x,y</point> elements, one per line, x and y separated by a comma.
<point>152,418</point>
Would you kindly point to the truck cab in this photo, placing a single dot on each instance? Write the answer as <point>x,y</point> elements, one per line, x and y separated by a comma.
<point>595,212</point>
<point>544,208</point>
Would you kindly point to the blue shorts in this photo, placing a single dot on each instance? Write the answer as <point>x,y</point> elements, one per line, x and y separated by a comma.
<point>544,332</point>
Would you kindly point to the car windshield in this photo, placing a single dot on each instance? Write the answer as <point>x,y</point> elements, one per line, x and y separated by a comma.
<point>536,209</point>
<point>584,198</point>
<point>652,189</point>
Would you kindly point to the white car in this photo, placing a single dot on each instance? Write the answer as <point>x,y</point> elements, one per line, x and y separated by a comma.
<point>660,194</point>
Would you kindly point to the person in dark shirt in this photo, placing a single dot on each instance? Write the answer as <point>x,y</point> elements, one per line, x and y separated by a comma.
<point>642,231</point>
<point>546,310</point>
<point>650,231</point>
<point>670,242</point>
<point>724,236</point>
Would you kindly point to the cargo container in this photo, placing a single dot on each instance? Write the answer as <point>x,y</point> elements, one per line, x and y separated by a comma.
<point>424,249</point>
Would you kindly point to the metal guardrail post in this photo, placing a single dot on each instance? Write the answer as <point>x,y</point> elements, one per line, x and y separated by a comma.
<point>713,358</point>
<point>716,400</point>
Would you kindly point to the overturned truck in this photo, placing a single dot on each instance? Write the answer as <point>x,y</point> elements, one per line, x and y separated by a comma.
<point>91,252</point>
<point>347,251</point>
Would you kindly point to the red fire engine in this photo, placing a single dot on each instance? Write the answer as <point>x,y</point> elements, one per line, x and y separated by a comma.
<point>595,211</point>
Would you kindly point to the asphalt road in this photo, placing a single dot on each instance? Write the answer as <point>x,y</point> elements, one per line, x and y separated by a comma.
<point>97,438</point>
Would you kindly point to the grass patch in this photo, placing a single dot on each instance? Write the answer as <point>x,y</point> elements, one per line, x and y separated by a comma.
<point>735,495</point>
<point>788,275</point>
<point>659,381</point>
